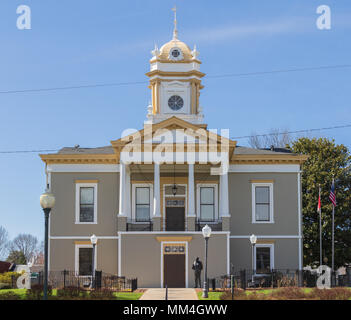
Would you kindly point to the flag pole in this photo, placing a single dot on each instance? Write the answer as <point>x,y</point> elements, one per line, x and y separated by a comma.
<point>320,228</point>
<point>333,236</point>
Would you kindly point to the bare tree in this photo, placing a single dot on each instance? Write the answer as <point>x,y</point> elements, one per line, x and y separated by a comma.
<point>4,242</point>
<point>26,243</point>
<point>276,138</point>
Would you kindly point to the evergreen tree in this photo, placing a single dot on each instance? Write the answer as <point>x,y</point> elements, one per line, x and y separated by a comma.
<point>327,160</point>
<point>17,257</point>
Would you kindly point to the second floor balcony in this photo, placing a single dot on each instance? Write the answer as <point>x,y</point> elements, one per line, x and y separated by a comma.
<point>172,225</point>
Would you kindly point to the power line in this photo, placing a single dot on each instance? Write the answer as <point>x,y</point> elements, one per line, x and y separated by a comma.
<point>208,77</point>
<point>292,132</point>
<point>236,138</point>
<point>75,87</point>
<point>281,71</point>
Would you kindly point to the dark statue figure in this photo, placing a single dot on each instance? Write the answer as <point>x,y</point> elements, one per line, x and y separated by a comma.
<point>197,267</point>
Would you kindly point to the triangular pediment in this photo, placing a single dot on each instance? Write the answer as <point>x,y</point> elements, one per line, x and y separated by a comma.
<point>173,130</point>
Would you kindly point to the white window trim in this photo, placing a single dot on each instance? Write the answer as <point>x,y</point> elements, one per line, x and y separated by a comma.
<point>271,201</point>
<point>141,185</point>
<point>86,185</point>
<point>264,245</point>
<point>198,207</point>
<point>76,257</point>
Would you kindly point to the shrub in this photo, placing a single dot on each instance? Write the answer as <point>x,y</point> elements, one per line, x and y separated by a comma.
<point>71,292</point>
<point>288,293</point>
<point>102,294</point>
<point>239,294</point>
<point>330,294</point>
<point>5,286</point>
<point>36,292</point>
<point>9,296</point>
<point>8,276</point>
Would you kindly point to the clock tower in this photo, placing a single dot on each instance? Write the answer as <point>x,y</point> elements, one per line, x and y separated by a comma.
<point>175,81</point>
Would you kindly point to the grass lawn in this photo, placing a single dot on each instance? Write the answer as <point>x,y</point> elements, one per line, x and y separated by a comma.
<point>119,295</point>
<point>128,295</point>
<point>211,295</point>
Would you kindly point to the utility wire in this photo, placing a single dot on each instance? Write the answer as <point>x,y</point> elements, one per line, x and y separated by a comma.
<point>292,132</point>
<point>208,77</point>
<point>236,138</point>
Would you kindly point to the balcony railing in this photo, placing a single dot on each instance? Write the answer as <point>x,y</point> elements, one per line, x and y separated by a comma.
<point>139,225</point>
<point>216,225</point>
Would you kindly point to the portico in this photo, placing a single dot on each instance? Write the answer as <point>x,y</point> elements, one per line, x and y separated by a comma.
<point>172,197</point>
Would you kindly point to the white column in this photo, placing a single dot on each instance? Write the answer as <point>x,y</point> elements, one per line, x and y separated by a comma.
<point>122,187</point>
<point>191,201</point>
<point>128,211</point>
<point>157,212</point>
<point>224,197</point>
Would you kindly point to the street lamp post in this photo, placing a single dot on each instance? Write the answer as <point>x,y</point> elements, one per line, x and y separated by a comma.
<point>47,202</point>
<point>253,240</point>
<point>93,240</point>
<point>206,232</point>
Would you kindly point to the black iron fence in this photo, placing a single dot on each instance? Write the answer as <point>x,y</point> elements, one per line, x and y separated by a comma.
<point>275,278</point>
<point>101,280</point>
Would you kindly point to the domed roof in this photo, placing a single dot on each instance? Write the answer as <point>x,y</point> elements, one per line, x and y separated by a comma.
<point>175,43</point>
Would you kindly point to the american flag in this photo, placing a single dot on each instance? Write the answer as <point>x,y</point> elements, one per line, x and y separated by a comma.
<point>332,197</point>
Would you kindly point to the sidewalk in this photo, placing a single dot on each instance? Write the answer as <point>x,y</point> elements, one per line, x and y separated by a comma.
<point>173,294</point>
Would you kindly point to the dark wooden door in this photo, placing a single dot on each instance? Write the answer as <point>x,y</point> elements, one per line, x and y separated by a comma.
<point>174,270</point>
<point>175,220</point>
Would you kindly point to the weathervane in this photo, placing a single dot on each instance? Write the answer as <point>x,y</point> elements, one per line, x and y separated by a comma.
<point>175,31</point>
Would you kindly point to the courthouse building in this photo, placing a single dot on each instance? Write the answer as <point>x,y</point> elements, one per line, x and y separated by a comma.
<point>147,195</point>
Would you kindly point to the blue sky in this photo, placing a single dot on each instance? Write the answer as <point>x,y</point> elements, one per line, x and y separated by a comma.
<point>88,42</point>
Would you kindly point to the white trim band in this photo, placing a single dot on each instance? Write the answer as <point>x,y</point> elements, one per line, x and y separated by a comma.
<point>267,168</point>
<point>267,237</point>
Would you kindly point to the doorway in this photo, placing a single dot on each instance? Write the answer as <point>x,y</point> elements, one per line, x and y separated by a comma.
<point>175,215</point>
<point>174,270</point>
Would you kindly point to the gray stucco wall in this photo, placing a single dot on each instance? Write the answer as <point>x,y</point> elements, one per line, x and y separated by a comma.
<point>286,255</point>
<point>141,256</point>
<point>63,215</point>
<point>62,254</point>
<point>285,199</point>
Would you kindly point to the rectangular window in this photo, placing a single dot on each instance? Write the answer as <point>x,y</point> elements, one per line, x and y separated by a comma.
<point>85,262</point>
<point>207,203</point>
<point>86,210</point>
<point>264,259</point>
<point>262,203</point>
<point>142,204</point>
<point>86,203</point>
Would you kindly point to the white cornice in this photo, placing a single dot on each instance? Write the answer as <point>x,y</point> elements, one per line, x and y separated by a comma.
<point>83,168</point>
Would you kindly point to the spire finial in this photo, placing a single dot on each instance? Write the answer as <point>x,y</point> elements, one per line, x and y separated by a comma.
<point>175,31</point>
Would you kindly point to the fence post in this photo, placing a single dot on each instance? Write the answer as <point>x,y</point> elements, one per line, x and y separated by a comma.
<point>232,285</point>
<point>64,278</point>
<point>214,284</point>
<point>97,281</point>
<point>348,275</point>
<point>13,282</point>
<point>299,278</point>
<point>243,279</point>
<point>333,279</point>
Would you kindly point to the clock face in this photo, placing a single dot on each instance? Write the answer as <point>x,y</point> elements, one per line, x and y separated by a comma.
<point>175,103</point>
<point>175,54</point>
